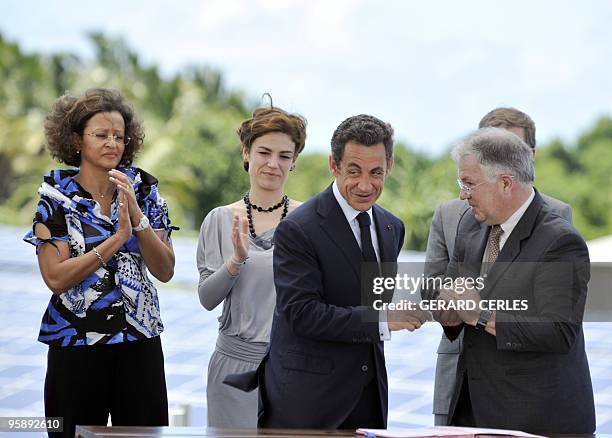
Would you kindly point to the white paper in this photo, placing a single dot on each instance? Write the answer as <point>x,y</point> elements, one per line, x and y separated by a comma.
<point>442,431</point>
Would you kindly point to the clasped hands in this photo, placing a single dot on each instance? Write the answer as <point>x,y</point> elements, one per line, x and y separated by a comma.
<point>458,300</point>
<point>410,320</point>
<point>455,297</point>
<point>129,211</point>
<point>127,196</point>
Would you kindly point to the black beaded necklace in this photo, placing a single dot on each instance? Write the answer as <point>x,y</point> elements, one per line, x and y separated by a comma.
<point>250,206</point>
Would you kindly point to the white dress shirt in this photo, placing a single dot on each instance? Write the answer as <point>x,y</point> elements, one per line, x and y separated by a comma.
<point>510,223</point>
<point>514,219</point>
<point>351,216</point>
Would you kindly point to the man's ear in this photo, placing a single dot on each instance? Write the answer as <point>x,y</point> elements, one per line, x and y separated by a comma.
<point>389,166</point>
<point>333,166</point>
<point>507,181</point>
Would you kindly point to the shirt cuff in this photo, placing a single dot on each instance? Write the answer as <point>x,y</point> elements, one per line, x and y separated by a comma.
<point>383,327</point>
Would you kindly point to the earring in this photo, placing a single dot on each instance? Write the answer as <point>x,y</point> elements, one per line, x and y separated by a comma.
<point>291,168</point>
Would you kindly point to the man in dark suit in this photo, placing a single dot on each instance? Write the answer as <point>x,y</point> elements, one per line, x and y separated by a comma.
<point>523,365</point>
<point>326,367</point>
<point>441,243</point>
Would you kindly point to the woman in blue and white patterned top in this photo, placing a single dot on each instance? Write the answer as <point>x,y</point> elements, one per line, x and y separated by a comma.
<point>98,228</point>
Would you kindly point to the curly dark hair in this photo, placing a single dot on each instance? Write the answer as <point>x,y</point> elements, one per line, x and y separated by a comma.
<point>274,119</point>
<point>363,129</point>
<point>65,123</point>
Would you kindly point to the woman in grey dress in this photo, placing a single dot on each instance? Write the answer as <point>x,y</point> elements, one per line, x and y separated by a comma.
<point>235,261</point>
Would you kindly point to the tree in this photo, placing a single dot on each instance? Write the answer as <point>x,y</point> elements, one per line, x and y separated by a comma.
<point>191,145</point>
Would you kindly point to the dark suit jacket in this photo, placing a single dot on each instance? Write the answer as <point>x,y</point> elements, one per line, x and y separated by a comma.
<point>324,343</point>
<point>534,375</point>
<point>440,246</point>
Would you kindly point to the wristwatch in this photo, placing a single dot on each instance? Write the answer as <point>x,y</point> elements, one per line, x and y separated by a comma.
<point>485,316</point>
<point>142,225</point>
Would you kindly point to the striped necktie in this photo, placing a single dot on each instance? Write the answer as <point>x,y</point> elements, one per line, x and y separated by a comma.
<point>492,251</point>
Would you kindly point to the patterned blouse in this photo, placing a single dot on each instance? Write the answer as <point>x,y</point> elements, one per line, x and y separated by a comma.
<point>116,303</point>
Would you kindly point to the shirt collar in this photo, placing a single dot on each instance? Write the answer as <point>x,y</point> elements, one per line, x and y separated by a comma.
<point>512,221</point>
<point>349,212</point>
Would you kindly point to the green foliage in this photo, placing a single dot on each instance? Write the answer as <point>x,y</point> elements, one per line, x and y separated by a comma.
<point>191,144</point>
<point>190,121</point>
<point>581,175</point>
<point>311,176</point>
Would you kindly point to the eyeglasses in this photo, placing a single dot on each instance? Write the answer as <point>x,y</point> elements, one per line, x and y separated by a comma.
<point>102,137</point>
<point>468,189</point>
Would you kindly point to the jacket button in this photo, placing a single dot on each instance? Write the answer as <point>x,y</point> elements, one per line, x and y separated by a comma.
<point>364,368</point>
<point>509,344</point>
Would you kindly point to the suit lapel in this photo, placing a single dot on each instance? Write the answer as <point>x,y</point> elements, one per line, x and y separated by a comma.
<point>476,239</point>
<point>337,228</point>
<point>387,247</point>
<point>387,240</point>
<point>512,247</point>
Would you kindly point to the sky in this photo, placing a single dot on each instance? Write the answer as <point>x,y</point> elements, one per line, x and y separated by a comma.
<point>430,68</point>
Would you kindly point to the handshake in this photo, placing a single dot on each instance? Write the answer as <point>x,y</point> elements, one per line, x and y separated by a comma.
<point>407,319</point>
<point>413,318</point>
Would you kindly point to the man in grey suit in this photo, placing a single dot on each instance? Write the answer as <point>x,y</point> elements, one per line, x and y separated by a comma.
<point>440,246</point>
